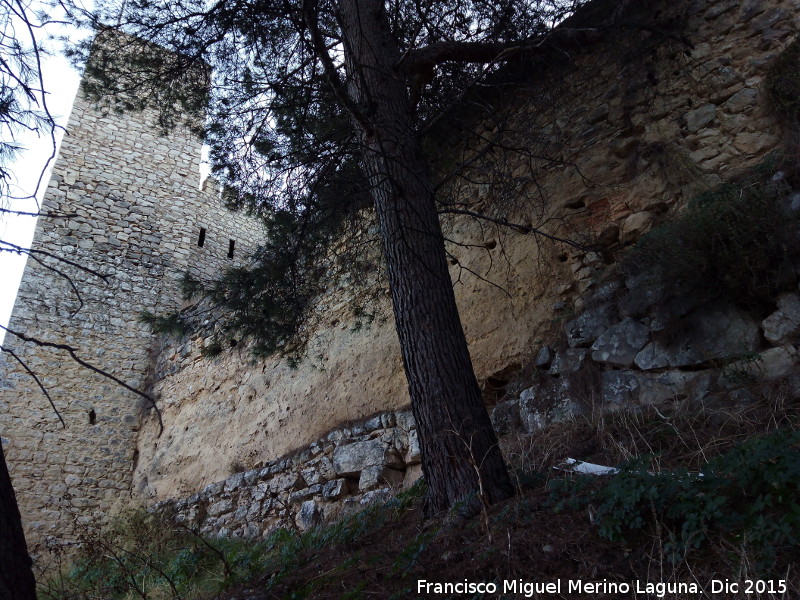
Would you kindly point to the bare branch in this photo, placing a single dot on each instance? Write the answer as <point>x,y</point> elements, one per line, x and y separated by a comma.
<point>16,357</point>
<point>525,229</point>
<point>422,60</point>
<point>87,365</point>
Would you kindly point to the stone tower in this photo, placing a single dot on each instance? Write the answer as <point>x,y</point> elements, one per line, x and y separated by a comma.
<point>126,217</point>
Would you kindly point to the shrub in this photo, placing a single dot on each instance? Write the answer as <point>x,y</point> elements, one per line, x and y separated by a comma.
<point>733,242</point>
<point>783,83</point>
<point>750,495</point>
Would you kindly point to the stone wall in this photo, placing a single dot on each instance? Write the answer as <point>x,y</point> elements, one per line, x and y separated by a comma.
<point>123,213</point>
<point>336,475</point>
<point>632,127</point>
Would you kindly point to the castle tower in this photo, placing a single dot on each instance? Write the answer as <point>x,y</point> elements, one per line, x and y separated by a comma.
<point>125,219</point>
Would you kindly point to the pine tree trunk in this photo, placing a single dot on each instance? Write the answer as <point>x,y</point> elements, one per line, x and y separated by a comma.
<point>16,576</point>
<point>460,455</point>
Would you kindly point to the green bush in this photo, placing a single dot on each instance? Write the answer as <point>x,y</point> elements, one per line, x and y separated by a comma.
<point>734,242</point>
<point>750,495</point>
<point>783,83</point>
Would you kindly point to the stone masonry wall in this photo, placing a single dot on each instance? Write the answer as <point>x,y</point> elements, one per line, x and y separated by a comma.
<point>135,215</point>
<point>633,127</point>
<point>337,475</point>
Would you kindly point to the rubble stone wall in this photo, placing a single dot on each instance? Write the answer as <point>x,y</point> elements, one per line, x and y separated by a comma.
<point>337,475</point>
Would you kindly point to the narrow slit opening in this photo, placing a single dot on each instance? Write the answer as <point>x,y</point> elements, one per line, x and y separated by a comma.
<point>231,245</point>
<point>202,237</point>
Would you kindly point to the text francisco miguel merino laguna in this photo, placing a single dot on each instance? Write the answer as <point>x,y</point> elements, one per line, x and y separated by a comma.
<point>528,589</point>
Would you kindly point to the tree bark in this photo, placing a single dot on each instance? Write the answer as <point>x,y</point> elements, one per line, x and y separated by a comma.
<point>16,574</point>
<point>460,455</point>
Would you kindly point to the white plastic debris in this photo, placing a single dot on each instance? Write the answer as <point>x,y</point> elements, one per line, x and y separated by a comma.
<point>585,468</point>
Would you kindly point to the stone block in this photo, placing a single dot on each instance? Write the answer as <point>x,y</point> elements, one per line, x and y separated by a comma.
<point>305,493</point>
<point>234,482</point>
<point>768,365</point>
<point>376,496</point>
<point>351,459</point>
<point>620,344</point>
<point>635,225</point>
<point>405,420</point>
<point>506,417</point>
<point>379,475</point>
<point>700,117</point>
<point>783,326</point>
<point>630,388</point>
<point>741,100</point>
<point>286,482</point>
<point>220,507</point>
<point>413,473</point>
<point>308,516</point>
<point>568,360</point>
<point>544,357</point>
<point>587,327</point>
<point>414,454</point>
<point>333,490</point>
<point>711,334</point>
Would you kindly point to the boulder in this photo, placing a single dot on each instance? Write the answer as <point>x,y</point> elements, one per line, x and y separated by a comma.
<point>380,475</point>
<point>587,327</point>
<point>710,333</point>
<point>505,416</point>
<point>620,344</point>
<point>568,360</point>
<point>351,459</point>
<point>783,326</point>
<point>308,516</point>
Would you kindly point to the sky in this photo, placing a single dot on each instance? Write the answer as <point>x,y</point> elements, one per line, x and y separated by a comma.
<point>61,83</point>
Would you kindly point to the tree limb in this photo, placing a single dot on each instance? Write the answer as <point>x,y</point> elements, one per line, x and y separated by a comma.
<point>422,60</point>
<point>16,357</point>
<point>515,226</point>
<point>74,356</point>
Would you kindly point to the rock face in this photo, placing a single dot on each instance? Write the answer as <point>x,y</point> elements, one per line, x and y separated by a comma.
<point>783,326</point>
<point>710,333</point>
<point>620,344</point>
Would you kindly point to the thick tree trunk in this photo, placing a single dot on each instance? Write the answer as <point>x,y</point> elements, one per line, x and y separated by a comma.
<point>459,448</point>
<point>16,576</point>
